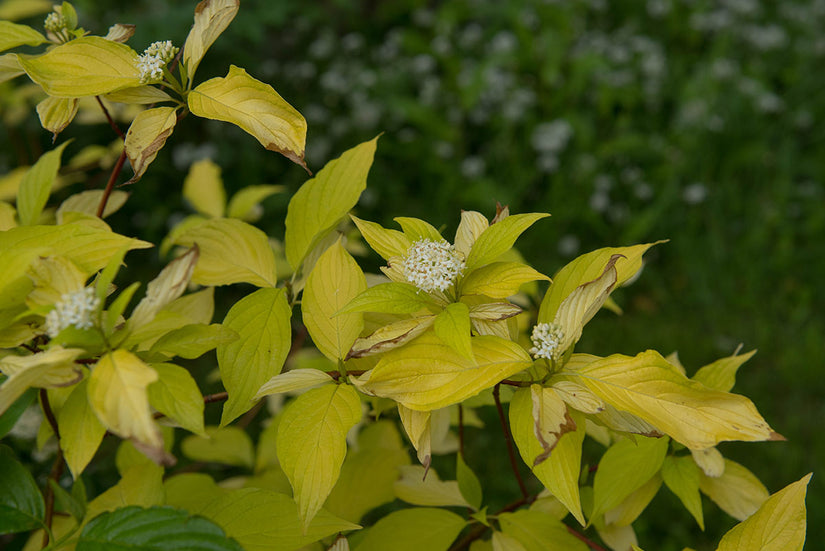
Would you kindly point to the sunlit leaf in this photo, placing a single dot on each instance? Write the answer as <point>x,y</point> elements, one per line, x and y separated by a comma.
<point>499,238</point>
<point>421,486</point>
<point>13,35</point>
<point>244,205</point>
<point>56,113</point>
<point>413,530</point>
<point>176,395</point>
<point>387,243</point>
<point>681,475</point>
<point>721,374</point>
<point>211,19</point>
<point>499,279</point>
<point>146,137</point>
<point>452,326</point>
<point>80,430</point>
<point>538,531</point>
<point>37,185</point>
<point>227,446</point>
<point>737,491</point>
<point>203,188</point>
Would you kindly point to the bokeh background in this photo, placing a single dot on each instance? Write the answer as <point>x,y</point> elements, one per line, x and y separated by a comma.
<point>630,121</point>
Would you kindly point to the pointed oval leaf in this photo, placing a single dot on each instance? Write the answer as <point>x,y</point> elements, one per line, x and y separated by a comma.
<point>146,137</point>
<point>560,471</point>
<point>56,113</point>
<point>421,486</point>
<point>413,530</point>
<point>427,374</point>
<point>120,32</point>
<point>176,395</point>
<point>88,66</point>
<point>418,426</point>
<point>311,443</point>
<point>262,321</point>
<point>471,226</point>
<point>633,505</point>
<point>211,19</point>
<point>551,419</point>
<point>21,503</point>
<point>227,446</point>
<point>256,108</point>
<point>335,280</point>
<point>291,381</point>
<point>499,279</point>
<point>37,185</point>
<point>245,204</point>
<point>710,461</point>
<point>389,298</point>
<point>390,336</point>
<point>118,396</point>
<point>203,188</point>
<point>387,243</point>
<point>170,284</point>
<point>499,238</point>
<point>649,387</point>
<point>538,531</point>
<point>153,529</point>
<point>139,95</point>
<point>468,483</point>
<point>738,491</point>
<point>86,202</point>
<point>681,475</point>
<point>721,374</point>
<point>13,35</point>
<point>452,326</point>
<point>415,229</point>
<point>193,340</point>
<point>141,484</point>
<point>80,430</point>
<point>231,251</point>
<point>778,525</point>
<point>321,202</point>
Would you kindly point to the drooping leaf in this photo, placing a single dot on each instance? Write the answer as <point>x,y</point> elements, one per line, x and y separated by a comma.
<point>413,530</point>
<point>551,419</point>
<point>296,379</point>
<point>226,445</point>
<point>146,137</point>
<point>88,66</point>
<point>738,491</point>
<point>86,202</point>
<point>176,395</point>
<point>256,108</point>
<point>649,387</point>
<point>170,284</point>
<point>499,279</point>
<point>203,188</point>
<point>141,95</point>
<point>471,226</point>
<point>498,238</point>
<point>231,251</point>
<point>244,205</point>
<point>626,512</point>
<point>51,368</point>
<point>21,503</point>
<point>193,340</point>
<point>262,321</point>
<point>710,461</point>
<point>311,443</point>
<point>80,430</point>
<point>9,68</point>
<point>418,426</point>
<point>468,483</point>
<point>387,243</point>
<point>778,525</point>
<point>56,113</point>
<point>13,35</point>
<point>421,486</point>
<point>427,374</point>
<point>721,374</point>
<point>211,19</point>
<point>560,471</point>
<point>37,185</point>
<point>153,529</point>
<point>390,336</point>
<point>334,281</point>
<point>321,202</point>
<point>538,531</point>
<point>120,32</point>
<point>681,475</point>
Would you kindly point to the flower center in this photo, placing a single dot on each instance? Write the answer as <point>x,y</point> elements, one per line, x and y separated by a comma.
<point>547,338</point>
<point>431,265</point>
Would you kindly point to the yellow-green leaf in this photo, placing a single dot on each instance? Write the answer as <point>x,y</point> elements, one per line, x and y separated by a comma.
<point>8,215</point>
<point>587,268</point>
<point>118,396</point>
<point>86,202</point>
<point>146,137</point>
<point>140,95</point>
<point>428,374</point>
<point>335,280</point>
<point>140,485</point>
<point>538,531</point>
<point>227,446</point>
<point>418,426</point>
<point>387,243</point>
<point>721,374</point>
<point>322,201</point>
<point>710,461</point>
<point>468,482</point>
<point>311,443</point>
<point>415,229</point>
<point>262,321</point>
<point>778,525</point>
<point>13,35</point>
<point>119,32</point>
<point>624,468</point>
<point>231,251</point>
<point>452,326</point>
<point>256,108</point>
<point>245,206</point>
<point>499,279</point>
<point>413,530</point>
<point>681,475</point>
<point>53,368</point>
<point>203,188</point>
<point>737,492</point>
<point>88,66</point>
<point>10,67</point>
<point>551,420</point>
<point>389,298</point>
<point>80,430</point>
<point>170,284</point>
<point>52,277</point>
<point>297,379</point>
<point>648,387</point>
<point>37,185</point>
<point>211,19</point>
<point>176,395</point>
<point>56,114</point>
<point>390,336</point>
<point>633,505</point>
<point>471,226</point>
<point>499,238</point>
<point>560,472</point>
<point>421,486</point>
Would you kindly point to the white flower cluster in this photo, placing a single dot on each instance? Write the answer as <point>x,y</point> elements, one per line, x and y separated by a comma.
<point>547,339</point>
<point>55,22</point>
<point>431,265</point>
<point>154,58</point>
<point>74,309</point>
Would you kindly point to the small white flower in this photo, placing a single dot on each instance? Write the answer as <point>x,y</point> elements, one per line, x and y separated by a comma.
<point>431,265</point>
<point>154,59</point>
<point>162,49</point>
<point>74,309</point>
<point>55,22</point>
<point>547,338</point>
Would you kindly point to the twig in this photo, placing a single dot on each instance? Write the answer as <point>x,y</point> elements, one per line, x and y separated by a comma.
<point>590,543</point>
<point>509,440</point>
<point>109,118</point>
<point>111,183</point>
<point>57,467</point>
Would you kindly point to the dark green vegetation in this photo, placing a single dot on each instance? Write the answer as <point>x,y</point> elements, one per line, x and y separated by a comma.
<point>629,121</point>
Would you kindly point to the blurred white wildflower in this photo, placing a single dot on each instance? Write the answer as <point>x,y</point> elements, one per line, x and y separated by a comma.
<point>723,68</point>
<point>73,310</point>
<point>473,167</point>
<point>599,201</point>
<point>694,193</point>
<point>470,36</point>
<point>432,265</point>
<point>503,42</point>
<point>658,8</point>
<point>569,245</point>
<point>28,424</point>
<point>352,42</point>
<point>548,163</point>
<point>423,64</point>
<point>769,37</point>
<point>547,338</point>
<point>552,136</point>
<point>769,103</point>
<point>441,45</point>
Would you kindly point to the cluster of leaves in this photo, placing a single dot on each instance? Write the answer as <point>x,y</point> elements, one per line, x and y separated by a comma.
<point>446,329</point>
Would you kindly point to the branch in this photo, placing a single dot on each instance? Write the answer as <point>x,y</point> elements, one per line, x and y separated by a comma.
<point>109,118</point>
<point>111,183</point>
<point>509,440</point>
<point>590,543</point>
<point>57,467</point>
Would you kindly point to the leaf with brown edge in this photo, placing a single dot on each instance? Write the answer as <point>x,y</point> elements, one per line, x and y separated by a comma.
<point>390,336</point>
<point>146,137</point>
<point>212,17</point>
<point>550,419</point>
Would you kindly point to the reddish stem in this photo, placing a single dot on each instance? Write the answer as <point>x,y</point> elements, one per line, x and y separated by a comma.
<point>111,183</point>
<point>509,440</point>
<point>57,466</point>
